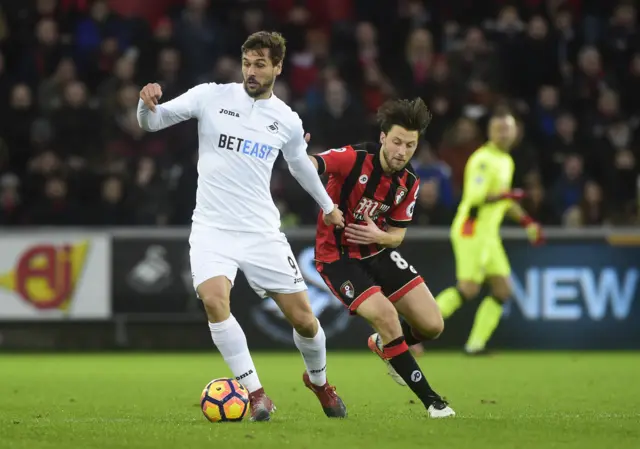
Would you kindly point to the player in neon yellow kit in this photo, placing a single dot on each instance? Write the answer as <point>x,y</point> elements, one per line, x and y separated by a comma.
<point>475,234</point>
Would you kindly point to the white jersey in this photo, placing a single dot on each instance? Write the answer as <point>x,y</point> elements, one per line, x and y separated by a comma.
<point>239,141</point>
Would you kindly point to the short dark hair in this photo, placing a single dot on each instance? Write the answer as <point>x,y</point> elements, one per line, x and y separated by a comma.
<point>263,40</point>
<point>412,115</point>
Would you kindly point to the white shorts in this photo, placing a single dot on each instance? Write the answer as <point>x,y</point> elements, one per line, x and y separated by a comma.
<point>265,259</point>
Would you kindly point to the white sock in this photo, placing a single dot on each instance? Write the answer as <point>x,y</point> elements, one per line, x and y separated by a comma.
<point>314,353</point>
<point>230,340</point>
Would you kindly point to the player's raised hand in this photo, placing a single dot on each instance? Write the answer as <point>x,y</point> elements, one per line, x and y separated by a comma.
<point>307,137</point>
<point>364,234</point>
<point>151,94</point>
<point>334,218</point>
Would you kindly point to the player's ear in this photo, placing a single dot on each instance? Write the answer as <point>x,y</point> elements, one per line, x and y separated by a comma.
<point>382,137</point>
<point>279,68</point>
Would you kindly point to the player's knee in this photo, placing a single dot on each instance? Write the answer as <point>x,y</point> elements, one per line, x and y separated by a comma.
<point>501,291</point>
<point>305,323</point>
<point>434,327</point>
<point>216,302</point>
<point>383,317</point>
<point>502,296</point>
<point>468,290</point>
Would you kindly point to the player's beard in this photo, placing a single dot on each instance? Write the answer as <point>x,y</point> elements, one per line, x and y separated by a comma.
<point>392,163</point>
<point>260,90</point>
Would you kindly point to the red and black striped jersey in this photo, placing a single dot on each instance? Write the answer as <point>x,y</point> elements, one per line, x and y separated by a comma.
<point>358,185</point>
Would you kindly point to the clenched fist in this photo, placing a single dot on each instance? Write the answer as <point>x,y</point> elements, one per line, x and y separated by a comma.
<point>151,94</point>
<point>334,218</point>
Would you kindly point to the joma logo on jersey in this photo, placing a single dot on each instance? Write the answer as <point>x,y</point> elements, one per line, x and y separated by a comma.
<point>227,112</point>
<point>369,207</point>
<point>239,145</point>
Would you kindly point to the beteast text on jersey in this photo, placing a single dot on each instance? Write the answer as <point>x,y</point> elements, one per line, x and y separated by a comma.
<point>250,148</point>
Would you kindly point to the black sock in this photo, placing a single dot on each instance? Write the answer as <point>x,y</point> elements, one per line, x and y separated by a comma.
<point>409,335</point>
<point>397,353</point>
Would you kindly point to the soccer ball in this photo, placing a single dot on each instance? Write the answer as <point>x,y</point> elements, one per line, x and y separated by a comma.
<point>224,400</point>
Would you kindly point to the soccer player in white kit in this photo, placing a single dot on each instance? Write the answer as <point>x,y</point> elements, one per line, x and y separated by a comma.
<point>241,128</point>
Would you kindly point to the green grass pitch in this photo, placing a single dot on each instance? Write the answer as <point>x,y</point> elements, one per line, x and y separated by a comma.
<point>510,400</point>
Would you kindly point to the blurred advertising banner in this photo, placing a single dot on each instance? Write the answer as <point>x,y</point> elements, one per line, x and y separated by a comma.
<point>569,294</point>
<point>55,276</point>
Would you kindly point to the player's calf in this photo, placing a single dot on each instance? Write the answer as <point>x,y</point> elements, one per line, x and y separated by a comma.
<point>390,342</point>
<point>488,315</point>
<point>297,310</point>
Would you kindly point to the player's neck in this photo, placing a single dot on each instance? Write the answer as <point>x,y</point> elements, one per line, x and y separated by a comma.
<point>383,162</point>
<point>498,147</point>
<point>265,96</point>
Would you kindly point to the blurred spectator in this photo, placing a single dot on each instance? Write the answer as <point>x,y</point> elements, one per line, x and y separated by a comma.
<point>590,79</point>
<point>15,127</point>
<point>537,204</point>
<point>415,70</point>
<point>631,83</point>
<point>200,38</point>
<point>429,168</point>
<point>339,121</point>
<point>112,210</point>
<point>55,207</point>
<point>46,53</point>
<point>478,65</point>
<point>592,208</point>
<point>568,41</point>
<point>507,33</point>
<point>458,143</point>
<point>565,142</point>
<point>51,91</point>
<point>544,114</point>
<point>567,191</point>
<point>537,59</point>
<point>123,74</point>
<point>147,199</point>
<point>10,200</point>
<point>621,37</point>
<point>77,125</point>
<point>429,209</point>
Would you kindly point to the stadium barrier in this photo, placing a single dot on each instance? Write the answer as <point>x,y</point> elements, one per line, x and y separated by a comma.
<point>132,289</point>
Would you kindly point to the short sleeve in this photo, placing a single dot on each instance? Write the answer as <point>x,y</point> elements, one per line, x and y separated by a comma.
<point>336,161</point>
<point>402,214</point>
<point>477,177</point>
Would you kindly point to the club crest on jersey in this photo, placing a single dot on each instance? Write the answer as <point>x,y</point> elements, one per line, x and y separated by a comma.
<point>400,194</point>
<point>369,207</point>
<point>347,290</point>
<point>273,128</point>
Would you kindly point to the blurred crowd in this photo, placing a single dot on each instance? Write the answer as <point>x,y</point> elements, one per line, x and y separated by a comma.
<point>71,151</point>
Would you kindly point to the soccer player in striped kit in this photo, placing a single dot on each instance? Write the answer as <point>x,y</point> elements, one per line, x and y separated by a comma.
<point>376,188</point>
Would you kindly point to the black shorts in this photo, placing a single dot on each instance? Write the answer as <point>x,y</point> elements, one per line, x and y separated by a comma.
<point>352,281</point>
